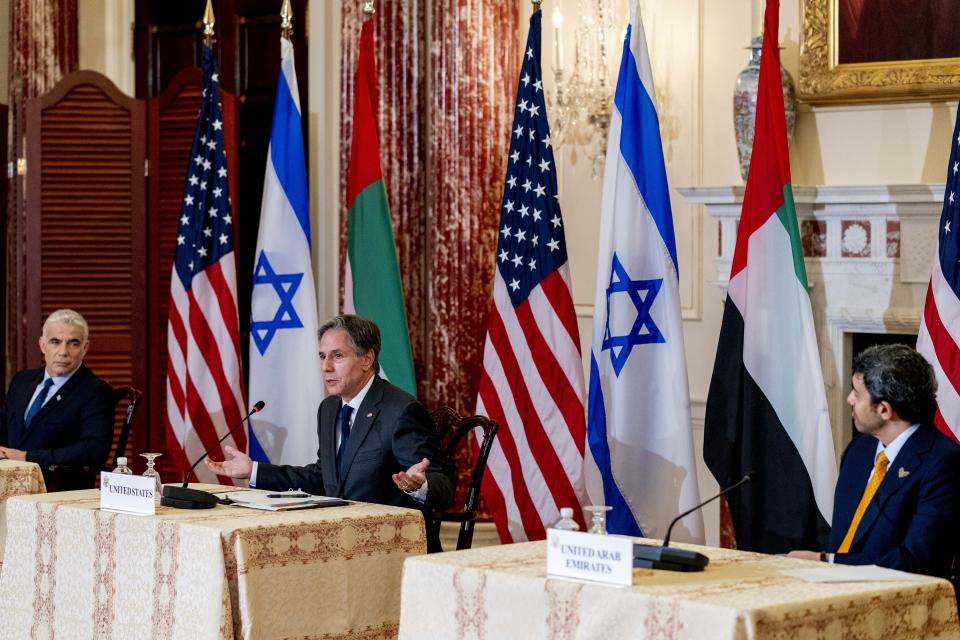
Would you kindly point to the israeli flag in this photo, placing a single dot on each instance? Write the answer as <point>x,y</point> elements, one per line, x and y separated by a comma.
<point>284,362</point>
<point>638,425</point>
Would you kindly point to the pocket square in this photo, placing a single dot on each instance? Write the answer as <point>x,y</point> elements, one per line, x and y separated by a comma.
<point>902,473</point>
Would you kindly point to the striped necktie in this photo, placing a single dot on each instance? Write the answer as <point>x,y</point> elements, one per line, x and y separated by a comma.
<point>879,471</point>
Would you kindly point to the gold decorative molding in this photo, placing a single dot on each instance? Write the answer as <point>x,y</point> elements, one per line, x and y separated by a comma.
<point>823,80</point>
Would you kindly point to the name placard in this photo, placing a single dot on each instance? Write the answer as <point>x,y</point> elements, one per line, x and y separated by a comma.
<point>127,493</point>
<point>588,556</point>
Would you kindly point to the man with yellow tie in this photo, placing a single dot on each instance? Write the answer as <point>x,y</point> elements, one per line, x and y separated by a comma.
<point>897,502</point>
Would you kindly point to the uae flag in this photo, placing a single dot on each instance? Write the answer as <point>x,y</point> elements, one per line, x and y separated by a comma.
<point>372,285</point>
<point>767,408</point>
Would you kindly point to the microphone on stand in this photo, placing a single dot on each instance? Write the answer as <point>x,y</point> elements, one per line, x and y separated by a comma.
<point>183,497</point>
<point>671,559</point>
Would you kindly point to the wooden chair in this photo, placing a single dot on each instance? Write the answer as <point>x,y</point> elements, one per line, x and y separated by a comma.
<point>65,477</point>
<point>453,428</point>
<point>955,579</point>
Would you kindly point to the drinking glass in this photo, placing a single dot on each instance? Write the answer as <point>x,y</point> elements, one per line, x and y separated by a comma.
<point>152,473</point>
<point>598,523</point>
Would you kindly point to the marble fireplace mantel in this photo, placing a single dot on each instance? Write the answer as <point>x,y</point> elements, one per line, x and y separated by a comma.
<point>868,252</point>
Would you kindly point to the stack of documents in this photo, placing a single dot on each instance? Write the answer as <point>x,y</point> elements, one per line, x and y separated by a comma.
<point>280,501</point>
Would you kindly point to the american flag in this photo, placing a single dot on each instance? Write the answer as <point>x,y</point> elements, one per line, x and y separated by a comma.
<point>204,393</point>
<point>532,378</point>
<point>940,329</point>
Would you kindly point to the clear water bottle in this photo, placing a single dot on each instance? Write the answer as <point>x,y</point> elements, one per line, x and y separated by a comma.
<point>566,522</point>
<point>122,466</point>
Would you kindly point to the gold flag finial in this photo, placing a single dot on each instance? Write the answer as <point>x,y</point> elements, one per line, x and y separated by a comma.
<point>286,19</point>
<point>368,8</point>
<point>536,5</point>
<point>208,22</point>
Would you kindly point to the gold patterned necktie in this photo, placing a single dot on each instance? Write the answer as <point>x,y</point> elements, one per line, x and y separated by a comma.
<point>879,471</point>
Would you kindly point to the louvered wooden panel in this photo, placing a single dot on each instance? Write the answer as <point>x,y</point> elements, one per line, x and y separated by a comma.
<point>85,233</point>
<point>172,123</point>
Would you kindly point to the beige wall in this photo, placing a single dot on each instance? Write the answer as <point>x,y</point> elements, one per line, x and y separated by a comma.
<point>106,40</point>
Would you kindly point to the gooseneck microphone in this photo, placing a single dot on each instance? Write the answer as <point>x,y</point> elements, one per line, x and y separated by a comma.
<point>672,559</point>
<point>183,497</point>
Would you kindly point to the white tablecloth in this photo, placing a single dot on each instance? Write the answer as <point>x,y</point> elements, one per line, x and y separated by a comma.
<point>73,571</point>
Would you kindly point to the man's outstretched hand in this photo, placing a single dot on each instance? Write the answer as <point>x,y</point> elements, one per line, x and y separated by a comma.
<point>237,465</point>
<point>412,478</point>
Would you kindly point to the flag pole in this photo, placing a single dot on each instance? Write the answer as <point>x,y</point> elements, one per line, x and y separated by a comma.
<point>286,20</point>
<point>208,22</point>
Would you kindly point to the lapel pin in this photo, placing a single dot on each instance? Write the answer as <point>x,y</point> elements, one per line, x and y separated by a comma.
<point>370,415</point>
<point>903,473</point>
<point>58,397</point>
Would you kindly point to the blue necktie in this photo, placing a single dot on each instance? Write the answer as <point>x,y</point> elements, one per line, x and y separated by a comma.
<point>38,402</point>
<point>345,412</point>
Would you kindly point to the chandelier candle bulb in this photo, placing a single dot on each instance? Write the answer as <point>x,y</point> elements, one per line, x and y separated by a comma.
<point>557,43</point>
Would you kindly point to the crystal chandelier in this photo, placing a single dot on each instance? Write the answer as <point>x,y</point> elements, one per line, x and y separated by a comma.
<point>582,97</point>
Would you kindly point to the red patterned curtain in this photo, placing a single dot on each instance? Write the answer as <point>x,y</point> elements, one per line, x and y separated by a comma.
<point>447,73</point>
<point>474,65</point>
<point>43,49</point>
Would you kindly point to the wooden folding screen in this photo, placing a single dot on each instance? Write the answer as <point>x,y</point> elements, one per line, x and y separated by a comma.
<point>85,237</point>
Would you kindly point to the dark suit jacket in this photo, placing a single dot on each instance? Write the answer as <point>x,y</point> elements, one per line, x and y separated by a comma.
<point>913,521</point>
<point>391,432</point>
<point>74,427</point>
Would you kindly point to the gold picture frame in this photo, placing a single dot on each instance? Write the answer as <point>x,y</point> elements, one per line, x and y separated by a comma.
<point>824,80</point>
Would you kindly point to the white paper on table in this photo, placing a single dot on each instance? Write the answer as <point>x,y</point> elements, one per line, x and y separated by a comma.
<point>282,502</point>
<point>852,573</point>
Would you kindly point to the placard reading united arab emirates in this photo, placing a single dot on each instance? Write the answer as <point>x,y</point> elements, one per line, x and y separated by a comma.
<point>127,493</point>
<point>588,556</point>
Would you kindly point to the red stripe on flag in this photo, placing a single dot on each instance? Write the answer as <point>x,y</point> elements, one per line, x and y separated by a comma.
<point>175,389</point>
<point>365,166</point>
<point>175,325</point>
<point>227,304</point>
<point>554,379</point>
<point>558,293</point>
<point>495,503</point>
<point>770,162</point>
<point>944,345</point>
<point>558,483</point>
<point>944,427</point>
<point>529,516</point>
<point>203,426</point>
<point>209,349</point>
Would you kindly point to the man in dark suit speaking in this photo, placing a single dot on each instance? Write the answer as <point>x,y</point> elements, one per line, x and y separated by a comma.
<point>377,443</point>
<point>60,413</point>
<point>897,502</point>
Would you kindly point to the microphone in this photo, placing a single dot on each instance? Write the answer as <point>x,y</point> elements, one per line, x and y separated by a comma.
<point>183,497</point>
<point>672,559</point>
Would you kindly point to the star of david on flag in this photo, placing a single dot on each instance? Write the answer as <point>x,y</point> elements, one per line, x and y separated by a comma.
<point>643,330</point>
<point>285,285</point>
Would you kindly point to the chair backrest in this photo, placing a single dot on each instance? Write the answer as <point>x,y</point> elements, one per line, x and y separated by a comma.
<point>453,428</point>
<point>65,477</point>
<point>132,397</point>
